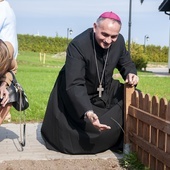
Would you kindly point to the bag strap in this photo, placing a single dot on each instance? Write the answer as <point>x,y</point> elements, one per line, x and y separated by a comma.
<point>22,141</point>
<point>14,80</point>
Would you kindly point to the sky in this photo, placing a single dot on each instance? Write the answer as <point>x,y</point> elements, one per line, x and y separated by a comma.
<point>53,17</point>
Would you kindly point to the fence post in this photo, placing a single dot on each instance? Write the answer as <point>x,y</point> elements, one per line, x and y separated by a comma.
<point>44,58</point>
<point>40,57</point>
<point>128,90</point>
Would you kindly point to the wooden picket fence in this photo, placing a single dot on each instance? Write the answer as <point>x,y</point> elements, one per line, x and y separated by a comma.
<point>147,128</point>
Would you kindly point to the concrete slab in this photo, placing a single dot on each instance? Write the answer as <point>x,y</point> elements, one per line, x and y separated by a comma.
<point>35,150</point>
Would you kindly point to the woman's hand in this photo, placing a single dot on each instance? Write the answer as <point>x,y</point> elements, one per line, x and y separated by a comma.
<point>4,95</point>
<point>95,121</point>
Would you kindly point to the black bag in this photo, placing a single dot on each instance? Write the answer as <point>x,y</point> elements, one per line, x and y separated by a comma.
<point>17,96</point>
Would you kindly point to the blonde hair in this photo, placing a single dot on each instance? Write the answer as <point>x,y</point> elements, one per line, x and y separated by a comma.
<point>5,57</point>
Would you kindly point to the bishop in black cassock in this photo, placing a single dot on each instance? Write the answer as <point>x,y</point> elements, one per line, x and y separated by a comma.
<point>64,127</point>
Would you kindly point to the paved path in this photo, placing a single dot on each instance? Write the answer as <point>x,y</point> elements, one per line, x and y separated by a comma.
<point>35,149</point>
<point>162,72</point>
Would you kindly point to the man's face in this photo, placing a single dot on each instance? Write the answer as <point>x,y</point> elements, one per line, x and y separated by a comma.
<point>106,32</point>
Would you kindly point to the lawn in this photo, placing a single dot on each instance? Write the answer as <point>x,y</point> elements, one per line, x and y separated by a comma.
<point>38,78</point>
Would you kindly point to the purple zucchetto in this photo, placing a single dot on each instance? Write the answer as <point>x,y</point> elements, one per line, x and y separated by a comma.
<point>110,15</point>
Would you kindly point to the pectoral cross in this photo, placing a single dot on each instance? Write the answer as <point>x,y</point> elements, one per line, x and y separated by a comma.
<point>100,89</point>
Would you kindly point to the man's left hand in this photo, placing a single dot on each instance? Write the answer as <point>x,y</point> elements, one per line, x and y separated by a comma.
<point>132,79</point>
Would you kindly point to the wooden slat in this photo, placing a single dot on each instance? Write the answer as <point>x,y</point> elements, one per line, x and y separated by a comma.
<point>140,123</point>
<point>146,158</point>
<point>134,121</point>
<point>162,114</point>
<point>140,128</point>
<point>146,126</point>
<point>133,128</point>
<point>140,153</point>
<point>141,100</point>
<point>133,124</point>
<point>135,99</point>
<point>153,163</point>
<point>147,103</point>
<point>146,129</point>
<point>161,140</point>
<point>160,165</point>
<point>163,108</point>
<point>154,131</point>
<point>155,105</point>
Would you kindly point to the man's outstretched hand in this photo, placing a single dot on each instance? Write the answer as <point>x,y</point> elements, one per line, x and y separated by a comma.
<point>95,121</point>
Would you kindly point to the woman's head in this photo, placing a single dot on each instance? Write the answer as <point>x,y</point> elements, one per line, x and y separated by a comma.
<point>5,56</point>
<point>107,28</point>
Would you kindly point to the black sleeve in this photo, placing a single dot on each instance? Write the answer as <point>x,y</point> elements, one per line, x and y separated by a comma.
<point>75,80</point>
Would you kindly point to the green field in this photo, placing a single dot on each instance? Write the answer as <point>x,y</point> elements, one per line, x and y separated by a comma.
<point>38,77</point>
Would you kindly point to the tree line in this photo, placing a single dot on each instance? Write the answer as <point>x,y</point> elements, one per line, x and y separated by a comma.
<point>141,54</point>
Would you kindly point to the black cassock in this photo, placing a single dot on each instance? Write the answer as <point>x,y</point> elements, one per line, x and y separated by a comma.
<point>75,92</point>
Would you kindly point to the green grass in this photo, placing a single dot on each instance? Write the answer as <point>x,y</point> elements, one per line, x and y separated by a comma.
<point>38,80</point>
<point>158,86</point>
<point>153,85</point>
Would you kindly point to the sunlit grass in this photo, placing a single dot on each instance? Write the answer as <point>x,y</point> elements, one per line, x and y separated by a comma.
<point>37,79</point>
<point>153,85</point>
